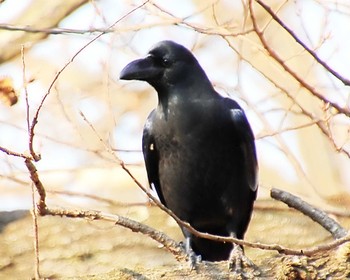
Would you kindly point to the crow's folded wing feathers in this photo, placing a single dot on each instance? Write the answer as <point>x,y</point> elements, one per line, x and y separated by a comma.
<point>151,157</point>
<point>245,134</point>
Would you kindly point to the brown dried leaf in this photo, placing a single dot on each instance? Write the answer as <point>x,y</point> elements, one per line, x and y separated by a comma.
<point>8,94</point>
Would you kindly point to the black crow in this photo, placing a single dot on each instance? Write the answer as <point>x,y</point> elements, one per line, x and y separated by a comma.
<point>198,148</point>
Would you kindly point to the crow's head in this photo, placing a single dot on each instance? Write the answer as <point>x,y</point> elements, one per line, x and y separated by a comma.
<point>167,64</point>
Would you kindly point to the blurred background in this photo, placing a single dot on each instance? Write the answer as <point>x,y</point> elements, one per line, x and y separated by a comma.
<point>90,120</point>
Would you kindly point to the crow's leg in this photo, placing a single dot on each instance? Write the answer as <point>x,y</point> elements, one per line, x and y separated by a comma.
<point>239,264</point>
<point>193,259</point>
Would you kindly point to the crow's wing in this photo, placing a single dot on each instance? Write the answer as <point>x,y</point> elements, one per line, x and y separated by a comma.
<point>151,157</point>
<point>245,134</point>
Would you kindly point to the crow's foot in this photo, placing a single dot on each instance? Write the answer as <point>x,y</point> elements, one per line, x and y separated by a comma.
<point>192,258</point>
<point>241,266</point>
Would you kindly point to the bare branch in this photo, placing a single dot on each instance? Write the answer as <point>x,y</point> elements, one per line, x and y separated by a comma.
<point>274,55</point>
<point>344,80</point>
<point>171,245</point>
<point>315,214</point>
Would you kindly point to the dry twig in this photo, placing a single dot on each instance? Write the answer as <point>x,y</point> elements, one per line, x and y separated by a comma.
<point>99,198</point>
<point>315,214</point>
<point>15,154</point>
<point>36,236</point>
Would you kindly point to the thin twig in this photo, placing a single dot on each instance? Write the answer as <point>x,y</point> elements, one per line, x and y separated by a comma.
<point>283,130</point>
<point>327,247</point>
<point>30,142</point>
<point>99,198</point>
<point>36,236</point>
<point>216,30</point>
<point>15,154</point>
<point>315,214</point>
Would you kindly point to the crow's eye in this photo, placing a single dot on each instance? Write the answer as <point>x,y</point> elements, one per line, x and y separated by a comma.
<point>161,61</point>
<point>165,62</point>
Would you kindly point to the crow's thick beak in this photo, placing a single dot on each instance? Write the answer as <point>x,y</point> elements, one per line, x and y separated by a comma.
<point>141,69</point>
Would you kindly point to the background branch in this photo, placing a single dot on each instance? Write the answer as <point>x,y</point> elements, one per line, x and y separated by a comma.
<point>344,80</point>
<point>294,74</point>
<point>315,214</point>
<point>51,13</point>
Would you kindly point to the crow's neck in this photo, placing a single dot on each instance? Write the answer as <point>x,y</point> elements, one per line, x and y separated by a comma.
<point>175,97</point>
<point>188,88</point>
